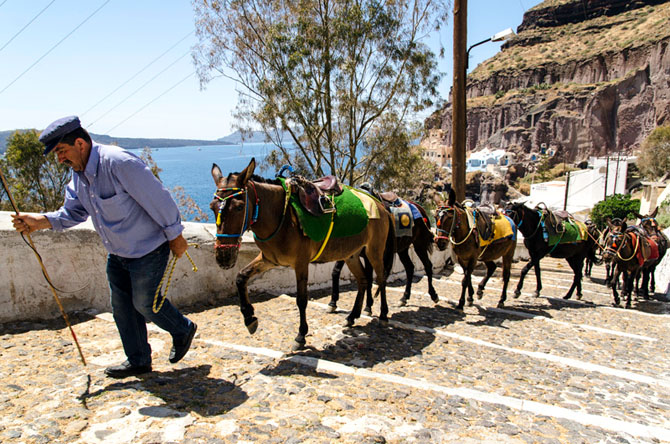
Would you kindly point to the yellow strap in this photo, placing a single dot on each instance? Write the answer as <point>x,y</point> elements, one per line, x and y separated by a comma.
<point>325,241</point>
<point>171,265</point>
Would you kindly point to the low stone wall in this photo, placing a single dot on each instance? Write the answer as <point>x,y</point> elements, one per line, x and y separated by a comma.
<point>76,261</point>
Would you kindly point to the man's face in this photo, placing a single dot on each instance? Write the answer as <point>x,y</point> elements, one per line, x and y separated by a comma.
<point>76,155</point>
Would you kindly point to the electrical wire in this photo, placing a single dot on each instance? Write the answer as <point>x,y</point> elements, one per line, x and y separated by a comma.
<point>53,47</point>
<point>3,3</point>
<point>137,73</point>
<point>140,88</point>
<point>161,95</point>
<point>27,24</point>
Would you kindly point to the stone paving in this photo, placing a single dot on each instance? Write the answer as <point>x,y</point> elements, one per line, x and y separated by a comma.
<point>539,371</point>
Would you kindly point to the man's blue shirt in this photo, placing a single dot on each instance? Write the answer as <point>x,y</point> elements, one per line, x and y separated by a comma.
<point>131,210</point>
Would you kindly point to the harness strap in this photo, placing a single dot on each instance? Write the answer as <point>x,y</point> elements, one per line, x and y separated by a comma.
<point>325,241</point>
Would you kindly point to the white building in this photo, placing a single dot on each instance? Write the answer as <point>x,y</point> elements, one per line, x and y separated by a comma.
<point>481,159</point>
<point>585,188</point>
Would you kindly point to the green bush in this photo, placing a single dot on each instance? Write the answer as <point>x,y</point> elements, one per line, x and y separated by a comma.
<point>616,206</point>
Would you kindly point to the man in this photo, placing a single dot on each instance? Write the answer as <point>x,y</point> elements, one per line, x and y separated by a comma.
<point>139,224</point>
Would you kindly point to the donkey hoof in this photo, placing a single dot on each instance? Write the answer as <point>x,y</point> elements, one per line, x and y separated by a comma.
<point>434,297</point>
<point>298,344</point>
<point>252,324</point>
<point>367,311</point>
<point>480,293</point>
<point>403,301</point>
<point>567,296</point>
<point>459,307</point>
<point>471,302</point>
<point>517,293</point>
<point>383,322</point>
<point>332,308</point>
<point>349,323</point>
<point>501,304</point>
<point>537,293</point>
<point>579,296</point>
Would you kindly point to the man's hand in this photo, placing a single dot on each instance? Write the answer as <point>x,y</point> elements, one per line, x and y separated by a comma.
<point>178,245</point>
<point>27,223</point>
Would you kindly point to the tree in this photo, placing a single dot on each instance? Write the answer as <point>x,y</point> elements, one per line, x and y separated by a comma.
<point>616,206</point>
<point>654,160</point>
<point>37,182</point>
<point>322,71</point>
<point>393,161</point>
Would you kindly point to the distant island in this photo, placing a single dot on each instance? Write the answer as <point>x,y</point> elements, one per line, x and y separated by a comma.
<point>138,143</point>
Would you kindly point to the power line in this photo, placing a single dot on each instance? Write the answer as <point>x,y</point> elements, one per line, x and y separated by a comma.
<point>161,95</point>
<point>138,89</point>
<point>137,73</point>
<point>27,24</point>
<point>3,3</point>
<point>53,47</point>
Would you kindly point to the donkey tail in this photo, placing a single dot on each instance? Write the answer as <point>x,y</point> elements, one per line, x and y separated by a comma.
<point>390,248</point>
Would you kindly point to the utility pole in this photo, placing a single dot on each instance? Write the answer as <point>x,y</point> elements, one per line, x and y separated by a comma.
<point>567,186</point>
<point>458,122</point>
<point>607,173</point>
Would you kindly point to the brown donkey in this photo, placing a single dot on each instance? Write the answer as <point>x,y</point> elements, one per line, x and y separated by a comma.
<point>243,201</point>
<point>453,226</point>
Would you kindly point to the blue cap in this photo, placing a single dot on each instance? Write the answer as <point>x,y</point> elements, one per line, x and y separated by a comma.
<point>54,133</point>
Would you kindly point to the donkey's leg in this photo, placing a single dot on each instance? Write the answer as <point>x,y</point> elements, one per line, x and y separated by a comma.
<point>506,272</point>
<point>538,277</point>
<point>367,269</point>
<point>652,280</point>
<point>378,265</point>
<point>335,296</point>
<point>522,276</point>
<point>301,277</point>
<point>422,254</point>
<point>615,277</point>
<point>576,263</point>
<point>645,283</point>
<point>356,269</point>
<point>628,283</point>
<point>490,269</point>
<point>409,274</point>
<point>258,265</point>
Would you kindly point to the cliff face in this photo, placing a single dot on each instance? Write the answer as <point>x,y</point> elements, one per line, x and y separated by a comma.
<point>582,77</point>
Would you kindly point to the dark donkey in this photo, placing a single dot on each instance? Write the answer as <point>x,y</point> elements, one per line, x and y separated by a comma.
<point>623,247</point>
<point>529,222</point>
<point>243,201</point>
<point>650,226</point>
<point>452,221</point>
<point>422,241</point>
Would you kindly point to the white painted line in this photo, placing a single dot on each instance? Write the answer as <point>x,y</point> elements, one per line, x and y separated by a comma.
<point>524,314</point>
<point>477,279</point>
<point>560,360</point>
<point>537,408</point>
<point>568,324</point>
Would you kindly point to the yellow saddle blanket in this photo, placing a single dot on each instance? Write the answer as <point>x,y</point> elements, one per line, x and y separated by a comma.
<point>503,227</point>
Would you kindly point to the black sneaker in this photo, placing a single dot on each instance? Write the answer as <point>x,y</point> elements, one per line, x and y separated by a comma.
<point>179,348</point>
<point>126,369</point>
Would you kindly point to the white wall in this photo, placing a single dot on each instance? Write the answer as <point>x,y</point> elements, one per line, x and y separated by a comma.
<point>76,261</point>
<point>586,188</point>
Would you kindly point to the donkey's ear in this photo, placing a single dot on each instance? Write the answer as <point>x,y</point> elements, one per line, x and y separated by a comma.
<point>452,197</point>
<point>217,175</point>
<point>654,213</point>
<point>246,174</point>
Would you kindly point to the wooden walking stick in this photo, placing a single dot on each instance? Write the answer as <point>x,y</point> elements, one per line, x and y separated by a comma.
<point>44,271</point>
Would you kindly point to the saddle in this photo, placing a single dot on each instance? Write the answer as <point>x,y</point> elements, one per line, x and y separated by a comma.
<point>487,213</point>
<point>389,197</point>
<point>553,220</point>
<point>317,196</point>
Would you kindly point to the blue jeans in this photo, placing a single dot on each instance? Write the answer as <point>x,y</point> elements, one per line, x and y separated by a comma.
<point>133,284</point>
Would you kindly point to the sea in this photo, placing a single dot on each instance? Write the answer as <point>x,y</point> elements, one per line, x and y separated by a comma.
<point>190,167</point>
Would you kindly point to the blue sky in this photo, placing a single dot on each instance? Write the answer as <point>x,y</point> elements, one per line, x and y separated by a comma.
<point>121,39</point>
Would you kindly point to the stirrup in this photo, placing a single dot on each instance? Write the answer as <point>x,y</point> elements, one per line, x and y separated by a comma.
<point>326,204</point>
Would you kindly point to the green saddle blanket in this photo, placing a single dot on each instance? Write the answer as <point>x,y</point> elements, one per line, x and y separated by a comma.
<point>572,232</point>
<point>350,217</point>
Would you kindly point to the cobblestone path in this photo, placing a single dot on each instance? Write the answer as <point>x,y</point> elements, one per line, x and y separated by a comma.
<point>541,370</point>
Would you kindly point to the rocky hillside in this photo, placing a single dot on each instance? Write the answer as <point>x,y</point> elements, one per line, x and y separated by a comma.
<point>584,77</point>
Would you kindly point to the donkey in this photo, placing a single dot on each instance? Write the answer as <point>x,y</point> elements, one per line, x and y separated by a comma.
<point>453,226</point>
<point>245,202</point>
